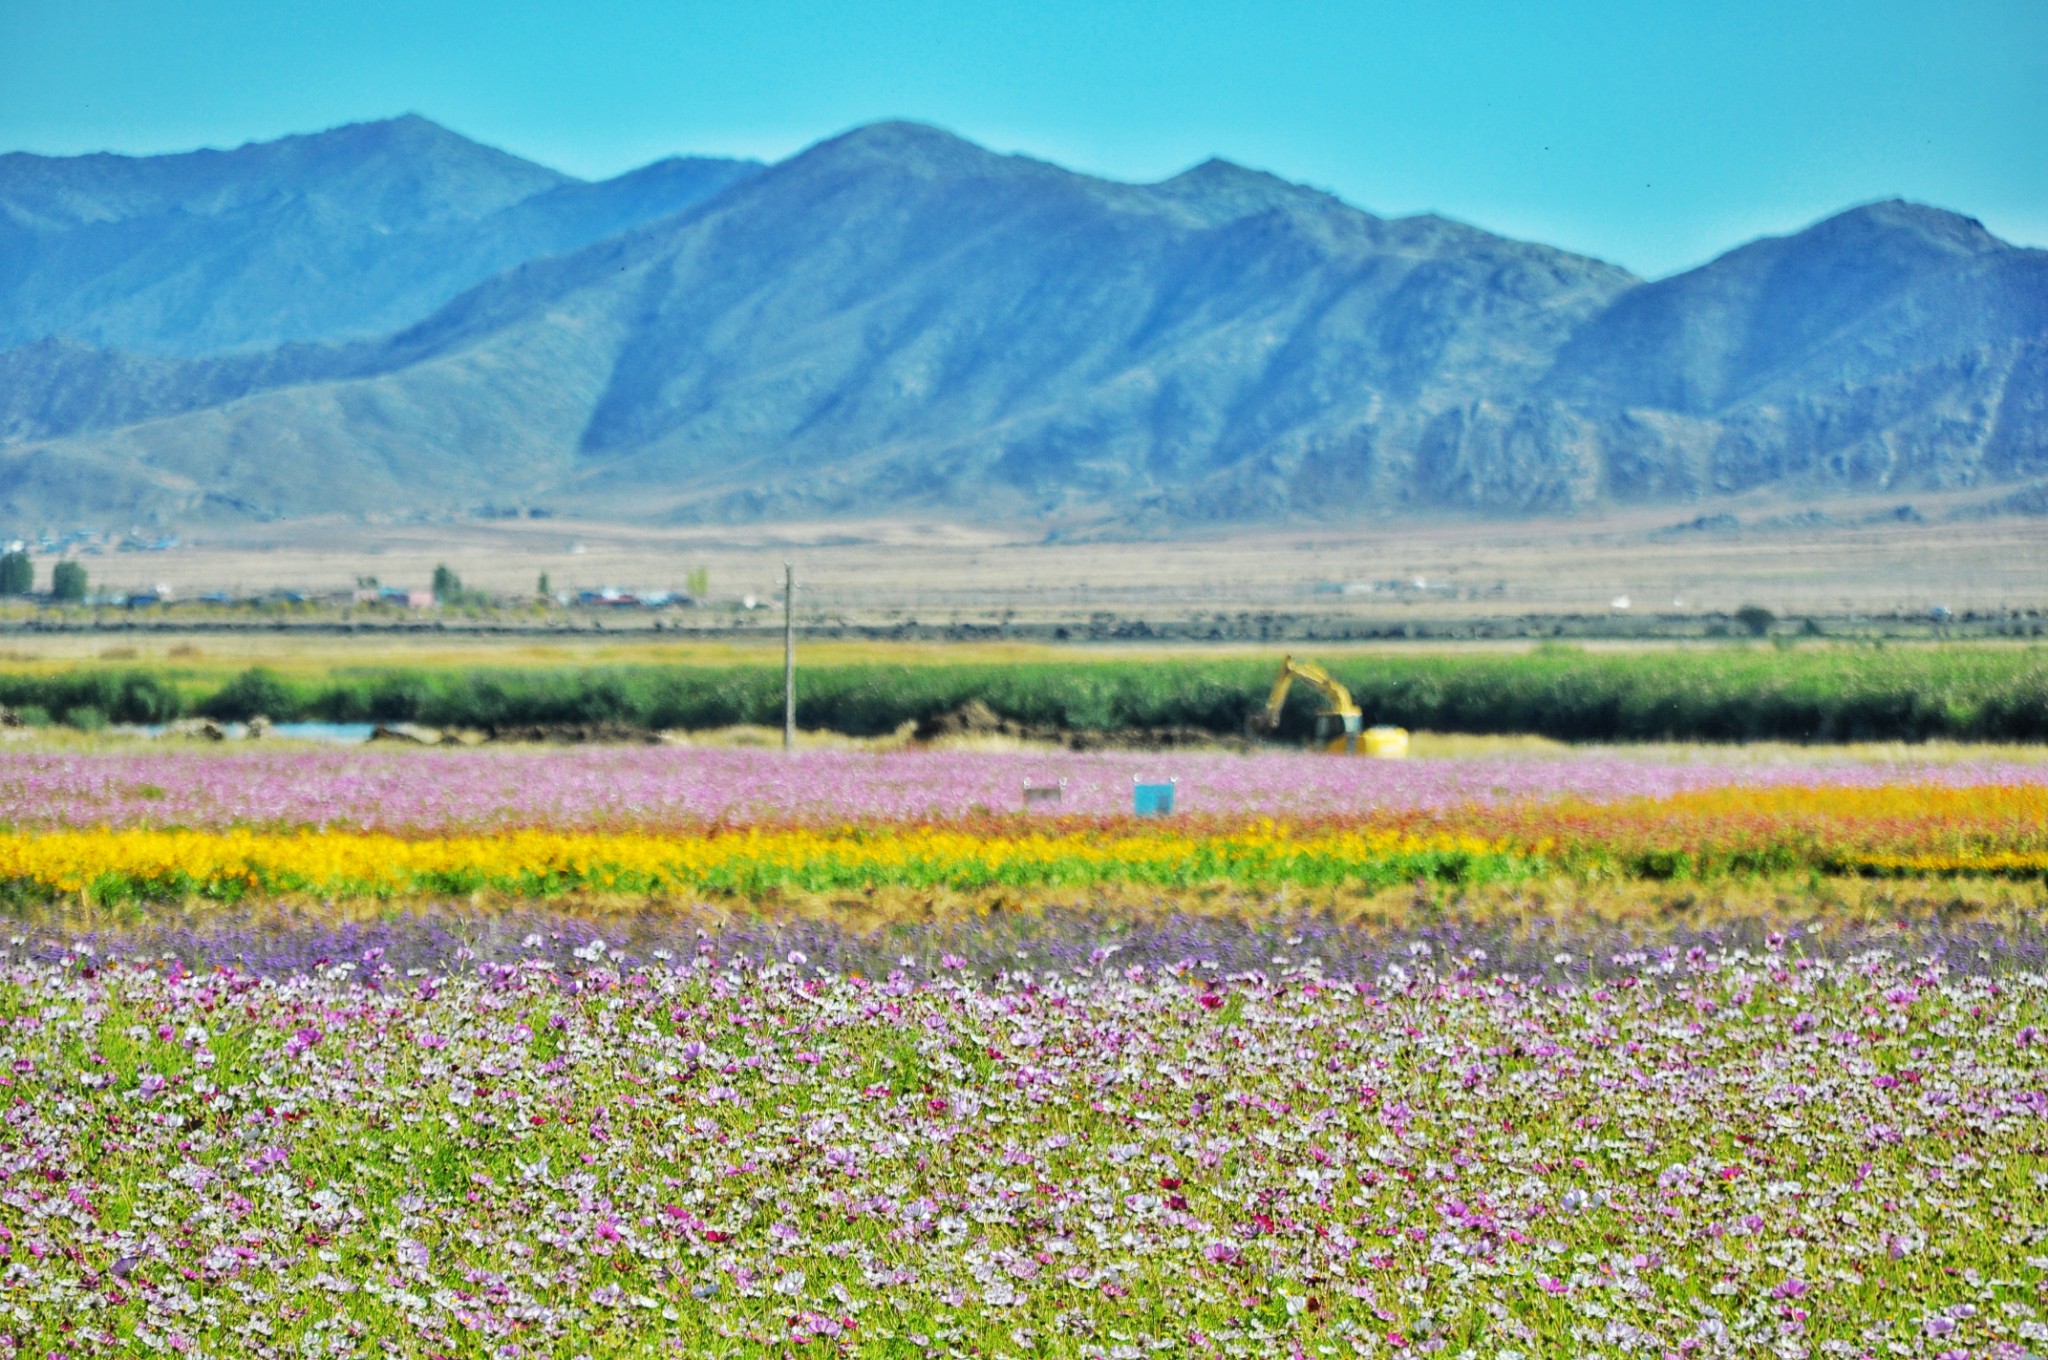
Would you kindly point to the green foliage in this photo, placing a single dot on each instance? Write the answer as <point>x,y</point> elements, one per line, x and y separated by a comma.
<point>1755,619</point>
<point>698,582</point>
<point>254,692</point>
<point>68,581</point>
<point>17,574</point>
<point>123,696</point>
<point>447,585</point>
<point>1815,693</point>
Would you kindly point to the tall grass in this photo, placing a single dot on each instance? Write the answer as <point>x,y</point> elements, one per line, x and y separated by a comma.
<point>1732,694</point>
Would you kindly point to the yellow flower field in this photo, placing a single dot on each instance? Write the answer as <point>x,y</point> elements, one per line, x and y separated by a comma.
<point>128,862</point>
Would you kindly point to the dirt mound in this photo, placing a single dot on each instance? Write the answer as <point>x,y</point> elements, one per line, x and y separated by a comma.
<point>1156,739</point>
<point>575,734</point>
<point>976,719</point>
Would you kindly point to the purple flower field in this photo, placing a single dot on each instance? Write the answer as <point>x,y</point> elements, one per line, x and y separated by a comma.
<point>1708,1150</point>
<point>420,790</point>
<point>1556,942</point>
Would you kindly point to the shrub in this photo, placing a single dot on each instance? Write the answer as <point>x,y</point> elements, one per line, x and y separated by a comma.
<point>17,574</point>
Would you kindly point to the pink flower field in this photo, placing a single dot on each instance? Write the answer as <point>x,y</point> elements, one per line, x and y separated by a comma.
<point>422,790</point>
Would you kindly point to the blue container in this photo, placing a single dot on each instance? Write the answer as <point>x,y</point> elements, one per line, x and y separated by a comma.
<point>1152,800</point>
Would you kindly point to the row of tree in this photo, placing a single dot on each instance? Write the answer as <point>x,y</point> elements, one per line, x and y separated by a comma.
<point>18,577</point>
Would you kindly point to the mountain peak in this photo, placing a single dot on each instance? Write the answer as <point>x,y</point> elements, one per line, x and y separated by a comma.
<point>903,132</point>
<point>399,122</point>
<point>409,137</point>
<point>1224,189</point>
<point>405,129</point>
<point>1901,219</point>
<point>904,143</point>
<point>1216,170</point>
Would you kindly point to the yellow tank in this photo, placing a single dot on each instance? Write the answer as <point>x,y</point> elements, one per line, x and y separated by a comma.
<point>1384,743</point>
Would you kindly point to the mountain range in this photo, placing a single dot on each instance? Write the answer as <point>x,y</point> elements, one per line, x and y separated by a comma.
<point>389,318</point>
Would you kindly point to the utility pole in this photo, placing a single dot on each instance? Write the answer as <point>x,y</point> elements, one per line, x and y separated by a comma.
<point>788,657</point>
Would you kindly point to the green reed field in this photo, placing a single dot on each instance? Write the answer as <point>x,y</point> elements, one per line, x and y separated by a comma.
<point>1725,693</point>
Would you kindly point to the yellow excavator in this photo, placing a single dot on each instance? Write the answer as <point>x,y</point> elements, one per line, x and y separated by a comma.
<point>1340,728</point>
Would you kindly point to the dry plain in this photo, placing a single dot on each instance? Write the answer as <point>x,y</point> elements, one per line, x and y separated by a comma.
<point>1880,557</point>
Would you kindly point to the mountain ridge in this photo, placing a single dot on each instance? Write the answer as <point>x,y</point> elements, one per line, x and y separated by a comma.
<point>896,319</point>
<point>349,233</point>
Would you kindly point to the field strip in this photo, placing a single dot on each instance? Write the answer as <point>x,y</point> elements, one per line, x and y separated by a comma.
<point>1899,830</point>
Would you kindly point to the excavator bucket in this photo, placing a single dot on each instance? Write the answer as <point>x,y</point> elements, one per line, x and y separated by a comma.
<point>1331,726</point>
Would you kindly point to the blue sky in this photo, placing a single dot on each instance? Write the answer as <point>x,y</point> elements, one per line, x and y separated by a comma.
<point>1654,135</point>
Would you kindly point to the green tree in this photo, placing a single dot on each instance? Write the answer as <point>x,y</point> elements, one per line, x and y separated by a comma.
<point>541,587</point>
<point>67,581</point>
<point>1756,619</point>
<point>699,581</point>
<point>17,574</point>
<point>447,585</point>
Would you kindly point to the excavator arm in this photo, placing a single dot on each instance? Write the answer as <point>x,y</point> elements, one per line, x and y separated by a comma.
<point>1338,725</point>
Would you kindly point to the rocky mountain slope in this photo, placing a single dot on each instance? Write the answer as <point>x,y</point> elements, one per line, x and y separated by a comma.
<point>897,320</point>
<point>1894,345</point>
<point>353,232</point>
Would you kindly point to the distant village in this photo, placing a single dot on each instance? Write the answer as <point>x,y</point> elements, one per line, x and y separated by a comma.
<point>51,570</point>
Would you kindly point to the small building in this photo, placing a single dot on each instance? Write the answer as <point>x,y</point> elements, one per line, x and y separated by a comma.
<point>399,595</point>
